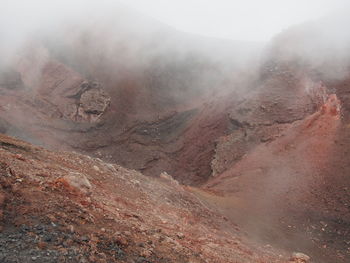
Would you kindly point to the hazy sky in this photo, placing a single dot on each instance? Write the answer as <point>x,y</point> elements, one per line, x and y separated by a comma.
<point>256,20</point>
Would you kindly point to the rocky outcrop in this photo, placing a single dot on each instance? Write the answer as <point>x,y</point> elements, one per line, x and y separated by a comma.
<point>88,104</point>
<point>285,96</point>
<point>64,92</point>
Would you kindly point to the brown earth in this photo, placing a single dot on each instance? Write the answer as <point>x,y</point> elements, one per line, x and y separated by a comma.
<point>67,207</point>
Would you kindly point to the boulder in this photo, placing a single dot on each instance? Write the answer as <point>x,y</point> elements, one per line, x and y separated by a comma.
<point>94,101</point>
<point>77,181</point>
<point>91,102</point>
<point>298,257</point>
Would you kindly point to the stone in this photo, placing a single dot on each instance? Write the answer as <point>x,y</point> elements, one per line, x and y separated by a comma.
<point>300,257</point>
<point>94,101</point>
<point>77,181</point>
<point>84,104</point>
<point>71,228</point>
<point>85,238</point>
<point>180,235</point>
<point>146,253</point>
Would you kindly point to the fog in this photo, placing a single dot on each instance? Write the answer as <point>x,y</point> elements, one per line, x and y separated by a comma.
<point>187,48</point>
<point>240,20</point>
<point>216,39</point>
<point>254,21</point>
<point>249,20</point>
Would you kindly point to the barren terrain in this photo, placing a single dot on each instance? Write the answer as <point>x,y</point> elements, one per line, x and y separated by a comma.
<point>170,151</point>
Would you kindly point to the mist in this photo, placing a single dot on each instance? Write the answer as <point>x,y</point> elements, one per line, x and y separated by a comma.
<point>239,29</point>
<point>239,20</point>
<point>249,21</point>
<point>157,57</point>
<point>162,56</point>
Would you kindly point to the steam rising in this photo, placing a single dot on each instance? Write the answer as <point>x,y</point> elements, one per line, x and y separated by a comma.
<point>240,20</point>
<point>126,47</point>
<point>23,20</point>
<point>109,41</point>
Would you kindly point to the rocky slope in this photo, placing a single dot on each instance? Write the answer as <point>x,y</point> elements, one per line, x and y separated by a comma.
<point>67,207</point>
<point>282,187</point>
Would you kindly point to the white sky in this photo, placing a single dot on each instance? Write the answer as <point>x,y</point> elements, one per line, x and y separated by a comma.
<point>252,20</point>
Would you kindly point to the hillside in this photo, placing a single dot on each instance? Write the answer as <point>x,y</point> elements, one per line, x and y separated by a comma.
<point>67,207</point>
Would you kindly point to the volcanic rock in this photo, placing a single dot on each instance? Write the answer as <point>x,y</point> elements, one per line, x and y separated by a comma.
<point>47,213</point>
<point>77,181</point>
<point>93,103</point>
<point>298,257</point>
<point>87,104</point>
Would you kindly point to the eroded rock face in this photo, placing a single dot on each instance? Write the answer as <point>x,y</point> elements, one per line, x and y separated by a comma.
<point>89,103</point>
<point>262,117</point>
<point>59,91</point>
